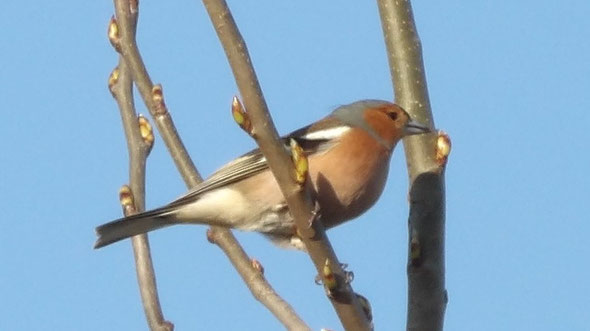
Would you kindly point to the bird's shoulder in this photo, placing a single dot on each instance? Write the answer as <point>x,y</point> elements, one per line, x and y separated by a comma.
<point>314,138</point>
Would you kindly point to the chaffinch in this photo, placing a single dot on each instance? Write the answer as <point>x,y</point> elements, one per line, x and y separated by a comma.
<point>348,153</point>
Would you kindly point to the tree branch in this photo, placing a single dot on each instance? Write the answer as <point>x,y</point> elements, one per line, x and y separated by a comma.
<point>427,296</point>
<point>121,84</point>
<point>126,13</point>
<point>299,200</point>
<point>255,280</point>
<point>141,78</point>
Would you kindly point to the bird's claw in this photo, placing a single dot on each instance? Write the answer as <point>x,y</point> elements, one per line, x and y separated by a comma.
<point>315,214</point>
<point>348,274</point>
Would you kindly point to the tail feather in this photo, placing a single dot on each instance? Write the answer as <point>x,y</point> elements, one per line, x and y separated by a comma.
<point>124,228</point>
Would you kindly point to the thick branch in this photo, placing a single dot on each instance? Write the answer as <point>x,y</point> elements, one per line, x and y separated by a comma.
<point>427,296</point>
<point>167,129</point>
<point>300,204</point>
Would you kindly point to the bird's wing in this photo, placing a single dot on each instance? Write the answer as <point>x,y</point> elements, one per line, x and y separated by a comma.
<point>253,162</point>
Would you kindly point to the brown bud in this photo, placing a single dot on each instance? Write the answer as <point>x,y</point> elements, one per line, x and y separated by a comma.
<point>257,265</point>
<point>443,148</point>
<point>113,79</point>
<point>158,100</point>
<point>125,196</point>
<point>240,115</point>
<point>113,34</point>
<point>146,131</point>
<point>328,276</point>
<point>300,161</point>
<point>210,236</point>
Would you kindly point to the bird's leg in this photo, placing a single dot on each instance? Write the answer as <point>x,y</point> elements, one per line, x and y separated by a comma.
<point>315,214</point>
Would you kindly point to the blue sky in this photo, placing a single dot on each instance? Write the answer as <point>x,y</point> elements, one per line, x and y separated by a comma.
<point>509,81</point>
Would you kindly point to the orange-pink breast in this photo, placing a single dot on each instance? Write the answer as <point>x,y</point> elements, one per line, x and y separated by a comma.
<point>350,177</point>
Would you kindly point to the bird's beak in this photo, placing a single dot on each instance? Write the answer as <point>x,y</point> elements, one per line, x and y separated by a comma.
<point>413,127</point>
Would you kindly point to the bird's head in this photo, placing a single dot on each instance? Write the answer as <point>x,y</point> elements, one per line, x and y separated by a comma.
<point>385,121</point>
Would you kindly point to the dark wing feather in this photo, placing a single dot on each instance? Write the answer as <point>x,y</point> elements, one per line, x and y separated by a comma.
<point>252,163</point>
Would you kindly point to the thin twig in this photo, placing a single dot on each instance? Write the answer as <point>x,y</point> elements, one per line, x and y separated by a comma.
<point>256,281</point>
<point>144,84</point>
<point>223,237</point>
<point>427,296</point>
<point>138,152</point>
<point>300,204</point>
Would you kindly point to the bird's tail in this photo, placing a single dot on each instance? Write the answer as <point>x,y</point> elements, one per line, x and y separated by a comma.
<point>133,225</point>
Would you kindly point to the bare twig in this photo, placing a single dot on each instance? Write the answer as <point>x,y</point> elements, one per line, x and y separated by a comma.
<point>256,281</point>
<point>141,78</point>
<point>427,296</point>
<point>153,98</point>
<point>300,204</point>
<point>120,84</point>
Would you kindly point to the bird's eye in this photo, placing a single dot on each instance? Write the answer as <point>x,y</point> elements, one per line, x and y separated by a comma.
<point>393,115</point>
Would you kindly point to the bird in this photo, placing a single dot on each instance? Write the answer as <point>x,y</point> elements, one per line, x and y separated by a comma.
<point>348,151</point>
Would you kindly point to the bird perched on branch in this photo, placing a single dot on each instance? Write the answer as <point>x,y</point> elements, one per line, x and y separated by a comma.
<point>348,153</point>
